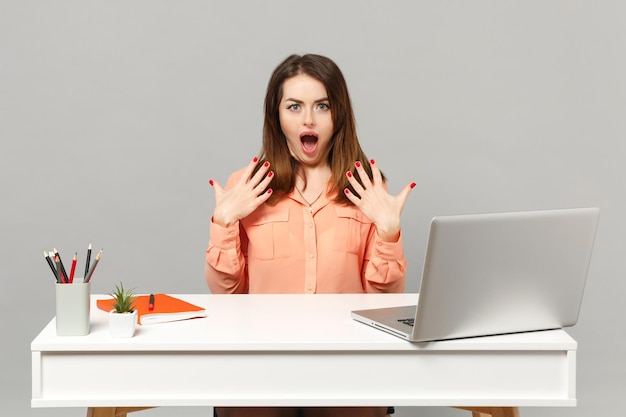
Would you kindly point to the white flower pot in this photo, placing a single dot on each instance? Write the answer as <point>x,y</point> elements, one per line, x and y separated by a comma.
<point>122,324</point>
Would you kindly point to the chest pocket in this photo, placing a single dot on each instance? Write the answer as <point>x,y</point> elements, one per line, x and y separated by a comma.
<point>352,230</point>
<point>268,233</point>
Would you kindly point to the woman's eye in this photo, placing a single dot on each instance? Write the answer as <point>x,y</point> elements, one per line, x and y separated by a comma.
<point>294,107</point>
<point>323,106</point>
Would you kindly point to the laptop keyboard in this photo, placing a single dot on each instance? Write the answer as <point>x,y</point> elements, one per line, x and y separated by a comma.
<point>408,322</point>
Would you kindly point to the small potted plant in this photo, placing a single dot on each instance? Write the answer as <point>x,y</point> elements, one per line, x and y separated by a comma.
<point>123,316</point>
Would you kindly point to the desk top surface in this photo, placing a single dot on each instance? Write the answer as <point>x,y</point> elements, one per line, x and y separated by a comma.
<point>293,322</point>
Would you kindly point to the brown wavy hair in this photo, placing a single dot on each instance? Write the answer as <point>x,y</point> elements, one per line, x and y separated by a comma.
<point>345,148</point>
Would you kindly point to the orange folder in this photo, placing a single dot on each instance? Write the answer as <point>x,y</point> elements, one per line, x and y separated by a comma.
<point>166,308</point>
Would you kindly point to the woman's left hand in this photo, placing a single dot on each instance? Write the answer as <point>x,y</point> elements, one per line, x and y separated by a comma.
<point>376,203</point>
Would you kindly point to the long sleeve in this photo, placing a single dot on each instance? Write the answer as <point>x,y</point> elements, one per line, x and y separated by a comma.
<point>384,268</point>
<point>225,269</point>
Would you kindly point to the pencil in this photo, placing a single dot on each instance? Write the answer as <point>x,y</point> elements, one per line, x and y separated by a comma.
<point>54,270</point>
<point>57,261</point>
<point>73,268</point>
<point>88,260</point>
<point>64,276</point>
<point>93,267</point>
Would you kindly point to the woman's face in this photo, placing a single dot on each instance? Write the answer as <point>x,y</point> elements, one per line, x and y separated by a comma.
<point>306,120</point>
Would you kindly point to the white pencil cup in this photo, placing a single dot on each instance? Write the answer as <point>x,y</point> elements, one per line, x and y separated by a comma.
<point>72,308</point>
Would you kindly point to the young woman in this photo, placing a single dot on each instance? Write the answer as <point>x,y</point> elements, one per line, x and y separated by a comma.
<point>311,214</point>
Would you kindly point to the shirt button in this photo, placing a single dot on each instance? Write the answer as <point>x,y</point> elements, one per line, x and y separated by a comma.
<point>310,225</point>
<point>235,263</point>
<point>312,255</point>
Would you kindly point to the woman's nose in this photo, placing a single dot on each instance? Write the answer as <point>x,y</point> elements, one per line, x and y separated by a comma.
<point>309,118</point>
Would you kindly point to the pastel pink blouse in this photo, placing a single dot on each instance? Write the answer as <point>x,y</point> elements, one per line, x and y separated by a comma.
<point>291,248</point>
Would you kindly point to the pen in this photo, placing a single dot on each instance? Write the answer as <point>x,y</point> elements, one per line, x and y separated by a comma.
<point>88,260</point>
<point>54,271</point>
<point>151,303</point>
<point>93,267</point>
<point>73,268</point>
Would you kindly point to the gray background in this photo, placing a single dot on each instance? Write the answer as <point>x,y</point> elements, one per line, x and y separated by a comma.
<point>113,116</point>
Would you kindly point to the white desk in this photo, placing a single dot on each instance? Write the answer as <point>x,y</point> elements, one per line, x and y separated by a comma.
<point>286,350</point>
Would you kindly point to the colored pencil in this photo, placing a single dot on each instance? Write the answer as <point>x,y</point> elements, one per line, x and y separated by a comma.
<point>49,260</point>
<point>88,260</point>
<point>57,261</point>
<point>64,276</point>
<point>93,267</point>
<point>73,268</point>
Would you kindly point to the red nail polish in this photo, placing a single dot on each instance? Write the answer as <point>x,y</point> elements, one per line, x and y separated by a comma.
<point>372,161</point>
<point>346,191</point>
<point>269,191</point>
<point>255,159</point>
<point>349,174</point>
<point>211,182</point>
<point>413,185</point>
<point>266,164</point>
<point>357,164</point>
<point>270,174</point>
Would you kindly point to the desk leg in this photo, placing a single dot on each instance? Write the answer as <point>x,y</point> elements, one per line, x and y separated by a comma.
<point>492,411</point>
<point>112,411</point>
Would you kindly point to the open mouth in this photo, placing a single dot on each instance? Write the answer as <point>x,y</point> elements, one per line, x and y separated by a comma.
<point>309,142</point>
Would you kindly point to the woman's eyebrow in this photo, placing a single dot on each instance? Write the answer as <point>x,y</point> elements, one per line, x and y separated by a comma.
<point>295,100</point>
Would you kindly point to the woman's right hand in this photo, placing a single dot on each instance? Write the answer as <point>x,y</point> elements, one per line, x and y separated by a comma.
<point>244,197</point>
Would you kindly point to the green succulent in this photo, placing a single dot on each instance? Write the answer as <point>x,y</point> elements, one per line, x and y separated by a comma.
<point>124,300</point>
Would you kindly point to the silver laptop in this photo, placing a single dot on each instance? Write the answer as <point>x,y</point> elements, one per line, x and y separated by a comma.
<point>488,274</point>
